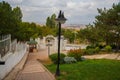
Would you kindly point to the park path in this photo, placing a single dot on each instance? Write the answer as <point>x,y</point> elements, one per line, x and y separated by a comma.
<point>114,56</point>
<point>33,69</point>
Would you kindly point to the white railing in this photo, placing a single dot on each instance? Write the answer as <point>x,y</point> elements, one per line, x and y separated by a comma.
<point>13,46</point>
<point>12,58</point>
<point>5,42</point>
<point>75,46</point>
<point>11,53</point>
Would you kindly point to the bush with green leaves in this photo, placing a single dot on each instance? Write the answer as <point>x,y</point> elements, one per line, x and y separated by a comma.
<point>90,47</point>
<point>77,53</point>
<point>108,48</point>
<point>70,60</point>
<point>54,58</point>
<point>90,51</point>
<point>97,49</point>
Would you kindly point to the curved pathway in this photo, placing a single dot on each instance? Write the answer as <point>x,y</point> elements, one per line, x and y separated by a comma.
<point>33,69</point>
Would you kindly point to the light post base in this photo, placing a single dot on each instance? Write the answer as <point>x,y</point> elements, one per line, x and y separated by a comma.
<point>57,72</point>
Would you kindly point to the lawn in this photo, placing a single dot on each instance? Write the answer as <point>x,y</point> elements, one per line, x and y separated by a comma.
<point>89,70</point>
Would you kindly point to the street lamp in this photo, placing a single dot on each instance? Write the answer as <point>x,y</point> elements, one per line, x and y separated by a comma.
<point>60,20</point>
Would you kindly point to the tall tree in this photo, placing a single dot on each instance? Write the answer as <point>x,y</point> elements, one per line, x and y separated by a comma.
<point>108,23</point>
<point>9,19</point>
<point>50,21</point>
<point>5,18</point>
<point>17,14</point>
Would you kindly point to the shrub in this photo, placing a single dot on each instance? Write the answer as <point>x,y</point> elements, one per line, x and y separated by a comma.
<point>54,58</point>
<point>97,49</point>
<point>70,60</point>
<point>90,51</point>
<point>113,46</point>
<point>90,46</point>
<point>108,48</point>
<point>76,54</point>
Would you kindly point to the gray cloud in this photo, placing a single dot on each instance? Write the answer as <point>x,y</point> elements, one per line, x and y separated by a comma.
<point>76,11</point>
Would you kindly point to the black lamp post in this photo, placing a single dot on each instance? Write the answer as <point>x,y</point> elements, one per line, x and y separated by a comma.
<point>60,20</point>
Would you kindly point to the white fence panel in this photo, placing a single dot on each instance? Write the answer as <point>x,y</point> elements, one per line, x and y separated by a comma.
<point>12,59</point>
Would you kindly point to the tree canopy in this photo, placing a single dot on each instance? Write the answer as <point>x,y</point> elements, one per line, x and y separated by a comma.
<point>11,23</point>
<point>9,19</point>
<point>105,28</point>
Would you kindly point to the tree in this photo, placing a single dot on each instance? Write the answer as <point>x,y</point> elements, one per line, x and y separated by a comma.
<point>105,27</point>
<point>17,14</point>
<point>5,18</point>
<point>50,21</point>
<point>108,23</point>
<point>70,35</point>
<point>9,19</point>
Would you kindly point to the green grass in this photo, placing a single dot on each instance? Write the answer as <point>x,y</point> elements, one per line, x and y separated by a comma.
<point>89,70</point>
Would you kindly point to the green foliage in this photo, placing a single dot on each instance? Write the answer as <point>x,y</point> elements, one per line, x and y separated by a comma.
<point>50,21</point>
<point>54,58</point>
<point>89,34</point>
<point>90,51</point>
<point>17,14</point>
<point>28,30</point>
<point>108,48</point>
<point>97,49</point>
<point>77,53</point>
<point>90,46</point>
<point>9,19</point>
<point>104,28</point>
<point>70,35</point>
<point>11,23</point>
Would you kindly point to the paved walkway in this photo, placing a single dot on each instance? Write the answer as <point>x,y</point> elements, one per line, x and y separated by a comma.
<point>33,69</point>
<point>115,56</point>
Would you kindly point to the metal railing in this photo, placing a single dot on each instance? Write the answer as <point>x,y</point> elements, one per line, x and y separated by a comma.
<point>5,42</point>
<point>13,46</point>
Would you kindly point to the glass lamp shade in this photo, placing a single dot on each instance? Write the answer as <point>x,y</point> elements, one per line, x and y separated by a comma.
<point>61,20</point>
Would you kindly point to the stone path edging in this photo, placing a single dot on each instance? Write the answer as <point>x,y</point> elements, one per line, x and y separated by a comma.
<point>12,75</point>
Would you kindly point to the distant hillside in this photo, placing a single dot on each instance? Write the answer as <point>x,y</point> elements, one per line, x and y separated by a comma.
<point>73,26</point>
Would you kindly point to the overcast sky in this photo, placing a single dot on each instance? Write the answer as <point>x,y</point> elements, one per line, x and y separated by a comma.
<point>76,11</point>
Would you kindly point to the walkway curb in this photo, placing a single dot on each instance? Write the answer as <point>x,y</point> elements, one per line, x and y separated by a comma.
<point>13,73</point>
<point>47,71</point>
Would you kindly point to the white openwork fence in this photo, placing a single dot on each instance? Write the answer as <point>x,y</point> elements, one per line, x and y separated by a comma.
<point>12,56</point>
<point>4,44</point>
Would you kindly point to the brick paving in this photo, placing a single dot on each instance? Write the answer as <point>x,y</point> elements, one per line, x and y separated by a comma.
<point>33,69</point>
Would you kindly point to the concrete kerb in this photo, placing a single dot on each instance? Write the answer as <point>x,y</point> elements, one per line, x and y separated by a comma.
<point>47,71</point>
<point>14,72</point>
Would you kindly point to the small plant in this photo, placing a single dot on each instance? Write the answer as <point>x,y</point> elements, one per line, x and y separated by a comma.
<point>90,46</point>
<point>108,48</point>
<point>97,49</point>
<point>90,51</point>
<point>76,54</point>
<point>70,60</point>
<point>54,58</point>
